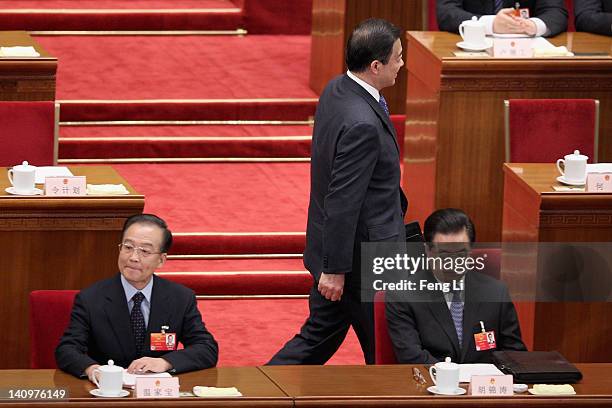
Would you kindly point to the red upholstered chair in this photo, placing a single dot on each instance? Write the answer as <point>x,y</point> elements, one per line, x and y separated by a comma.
<point>28,131</point>
<point>432,20</point>
<point>49,317</point>
<point>383,353</point>
<point>569,5</point>
<point>544,130</point>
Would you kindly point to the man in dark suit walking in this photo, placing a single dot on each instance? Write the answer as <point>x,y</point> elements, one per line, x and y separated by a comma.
<point>136,318</point>
<point>546,17</point>
<point>355,194</point>
<point>427,325</point>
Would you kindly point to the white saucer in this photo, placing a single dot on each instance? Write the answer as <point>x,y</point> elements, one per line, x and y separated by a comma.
<point>562,179</point>
<point>474,47</point>
<point>434,390</point>
<point>96,393</point>
<point>36,191</point>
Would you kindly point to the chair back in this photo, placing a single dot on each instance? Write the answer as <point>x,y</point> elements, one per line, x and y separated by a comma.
<point>569,5</point>
<point>544,130</point>
<point>384,353</point>
<point>49,318</point>
<point>28,131</point>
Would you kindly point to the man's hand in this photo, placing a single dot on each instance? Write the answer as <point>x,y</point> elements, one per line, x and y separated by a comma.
<point>144,364</point>
<point>89,372</point>
<point>331,286</point>
<point>507,23</point>
<point>529,27</point>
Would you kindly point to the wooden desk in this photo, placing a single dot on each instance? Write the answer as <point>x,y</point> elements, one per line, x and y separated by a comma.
<point>454,143</point>
<point>534,212</point>
<point>55,243</point>
<point>257,389</point>
<point>332,24</point>
<point>26,79</point>
<point>361,386</point>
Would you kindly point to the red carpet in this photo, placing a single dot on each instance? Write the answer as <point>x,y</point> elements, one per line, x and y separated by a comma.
<point>233,243</point>
<point>183,131</point>
<point>116,4</point>
<point>183,67</point>
<point>233,265</point>
<point>247,339</point>
<point>237,197</point>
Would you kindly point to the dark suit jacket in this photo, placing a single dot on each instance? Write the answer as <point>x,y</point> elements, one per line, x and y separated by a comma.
<point>422,329</point>
<point>451,13</point>
<point>594,16</point>
<point>100,328</point>
<point>355,193</point>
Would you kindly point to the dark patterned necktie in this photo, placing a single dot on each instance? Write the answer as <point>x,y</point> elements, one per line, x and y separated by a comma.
<point>456,310</point>
<point>383,104</point>
<point>499,4</point>
<point>138,323</point>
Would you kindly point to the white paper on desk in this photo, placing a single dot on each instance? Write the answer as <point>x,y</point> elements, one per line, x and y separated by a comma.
<point>599,168</point>
<point>466,371</point>
<point>541,43</point>
<point>50,171</point>
<point>129,380</point>
<point>18,51</point>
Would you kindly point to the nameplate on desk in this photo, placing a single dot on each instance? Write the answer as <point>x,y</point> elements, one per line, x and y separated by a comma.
<point>156,387</point>
<point>599,182</point>
<point>512,48</point>
<point>65,186</point>
<point>489,385</point>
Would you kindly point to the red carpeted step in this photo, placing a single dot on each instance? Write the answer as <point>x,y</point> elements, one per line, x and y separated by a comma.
<point>238,243</point>
<point>240,325</point>
<point>88,15</point>
<point>181,67</point>
<point>184,142</point>
<point>233,265</point>
<point>224,197</point>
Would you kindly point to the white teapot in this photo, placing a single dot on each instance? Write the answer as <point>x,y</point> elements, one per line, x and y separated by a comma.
<point>573,167</point>
<point>109,379</point>
<point>445,375</point>
<point>473,32</point>
<point>22,177</point>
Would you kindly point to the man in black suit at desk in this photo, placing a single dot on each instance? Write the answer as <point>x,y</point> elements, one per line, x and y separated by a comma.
<point>355,194</point>
<point>594,16</point>
<point>428,325</point>
<point>136,318</point>
<point>546,17</point>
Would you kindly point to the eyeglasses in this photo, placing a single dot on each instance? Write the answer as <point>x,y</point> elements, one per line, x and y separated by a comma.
<point>129,249</point>
<point>418,376</point>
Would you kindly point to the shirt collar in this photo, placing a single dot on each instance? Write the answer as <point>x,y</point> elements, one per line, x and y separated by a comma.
<point>130,291</point>
<point>371,90</point>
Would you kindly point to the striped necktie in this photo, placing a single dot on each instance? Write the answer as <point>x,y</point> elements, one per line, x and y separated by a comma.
<point>456,310</point>
<point>383,104</point>
<point>138,323</point>
<point>499,4</point>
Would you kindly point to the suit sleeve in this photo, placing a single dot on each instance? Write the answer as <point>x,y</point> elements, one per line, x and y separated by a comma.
<point>590,17</point>
<point>71,352</point>
<point>553,14</point>
<point>510,331</point>
<point>450,13</point>
<point>356,154</point>
<point>201,349</point>
<point>404,335</point>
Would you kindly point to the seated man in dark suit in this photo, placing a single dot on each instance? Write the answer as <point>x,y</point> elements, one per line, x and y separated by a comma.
<point>546,17</point>
<point>594,16</point>
<point>119,318</point>
<point>428,325</point>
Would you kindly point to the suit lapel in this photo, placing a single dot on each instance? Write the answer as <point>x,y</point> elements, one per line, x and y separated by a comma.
<point>160,312</point>
<point>385,119</point>
<point>118,315</point>
<point>470,313</point>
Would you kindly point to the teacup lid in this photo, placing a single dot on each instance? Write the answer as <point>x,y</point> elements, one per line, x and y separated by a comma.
<point>447,364</point>
<point>473,22</point>
<point>111,367</point>
<point>576,156</point>
<point>25,166</point>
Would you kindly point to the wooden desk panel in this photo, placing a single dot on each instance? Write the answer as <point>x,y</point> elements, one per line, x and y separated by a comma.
<point>257,389</point>
<point>534,212</point>
<point>369,386</point>
<point>56,243</point>
<point>332,24</point>
<point>26,79</point>
<point>454,143</point>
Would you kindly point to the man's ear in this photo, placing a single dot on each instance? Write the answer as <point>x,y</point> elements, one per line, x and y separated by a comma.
<point>375,67</point>
<point>162,260</point>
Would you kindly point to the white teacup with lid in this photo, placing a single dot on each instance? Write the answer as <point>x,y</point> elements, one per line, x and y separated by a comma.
<point>473,32</point>
<point>573,167</point>
<point>22,178</point>
<point>445,375</point>
<point>109,379</point>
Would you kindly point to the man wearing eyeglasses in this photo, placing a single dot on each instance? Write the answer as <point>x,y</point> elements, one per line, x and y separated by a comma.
<point>135,318</point>
<point>455,311</point>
